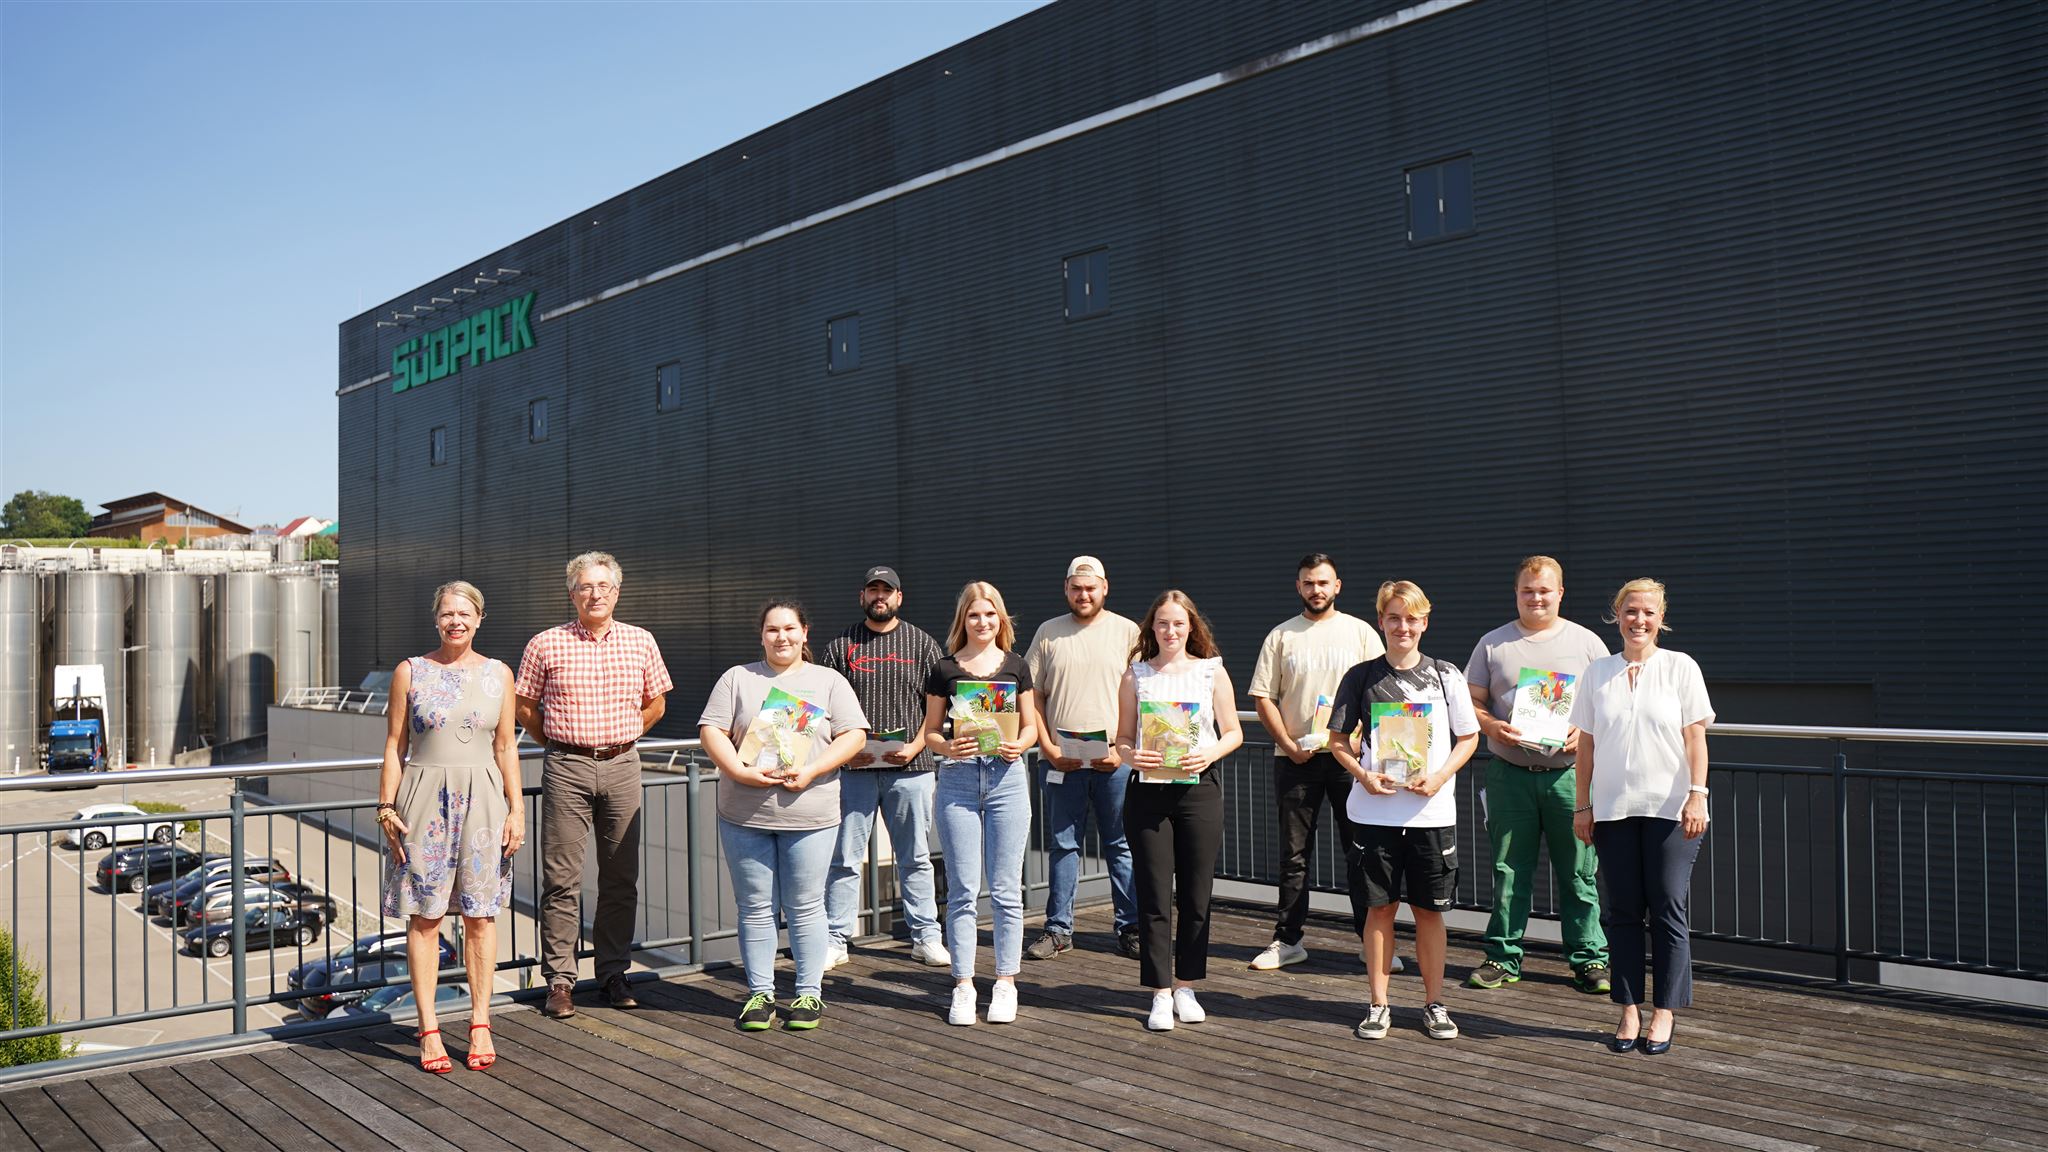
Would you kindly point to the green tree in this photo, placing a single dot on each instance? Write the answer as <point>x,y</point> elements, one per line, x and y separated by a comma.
<point>37,513</point>
<point>323,548</point>
<point>18,989</point>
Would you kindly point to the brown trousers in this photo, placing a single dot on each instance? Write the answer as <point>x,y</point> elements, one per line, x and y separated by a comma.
<point>577,792</point>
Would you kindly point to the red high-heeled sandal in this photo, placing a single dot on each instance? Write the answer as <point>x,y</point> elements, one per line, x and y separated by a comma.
<point>440,1065</point>
<point>478,1061</point>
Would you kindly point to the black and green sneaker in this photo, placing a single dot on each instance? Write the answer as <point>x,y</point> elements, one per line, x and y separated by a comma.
<point>1593,979</point>
<point>1491,975</point>
<point>758,1014</point>
<point>802,1014</point>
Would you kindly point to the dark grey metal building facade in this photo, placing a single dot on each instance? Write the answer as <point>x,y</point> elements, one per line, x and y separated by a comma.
<point>1750,297</point>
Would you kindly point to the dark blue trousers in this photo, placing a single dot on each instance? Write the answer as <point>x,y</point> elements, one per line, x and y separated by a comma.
<point>1647,864</point>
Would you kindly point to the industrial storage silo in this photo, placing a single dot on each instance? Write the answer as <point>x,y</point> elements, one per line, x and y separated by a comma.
<point>330,631</point>
<point>164,697</point>
<point>89,625</point>
<point>20,653</point>
<point>244,654</point>
<point>298,632</point>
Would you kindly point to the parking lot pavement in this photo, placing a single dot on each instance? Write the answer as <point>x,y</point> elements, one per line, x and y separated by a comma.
<point>102,956</point>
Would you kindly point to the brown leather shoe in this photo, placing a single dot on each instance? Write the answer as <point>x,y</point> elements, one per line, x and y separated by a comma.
<point>618,994</point>
<point>558,1005</point>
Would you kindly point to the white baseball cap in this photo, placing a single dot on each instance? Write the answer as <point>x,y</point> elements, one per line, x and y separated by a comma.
<point>1086,566</point>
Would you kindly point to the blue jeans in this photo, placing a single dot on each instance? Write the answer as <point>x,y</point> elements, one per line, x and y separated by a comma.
<point>905,801</point>
<point>766,864</point>
<point>1067,805</point>
<point>984,822</point>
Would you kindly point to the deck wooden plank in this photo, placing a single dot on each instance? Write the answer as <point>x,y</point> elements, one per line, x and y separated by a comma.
<point>165,1128</point>
<point>215,1122</point>
<point>47,1125</point>
<point>563,1129</point>
<point>608,1077</point>
<point>478,1121</point>
<point>608,1125</point>
<point>386,1123</point>
<point>12,1135</point>
<point>280,1128</point>
<point>333,1125</point>
<point>109,1130</point>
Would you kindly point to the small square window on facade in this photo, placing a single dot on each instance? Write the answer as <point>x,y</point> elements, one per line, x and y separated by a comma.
<point>668,387</point>
<point>1440,200</point>
<point>1087,277</point>
<point>437,445</point>
<point>842,344</point>
<point>536,420</point>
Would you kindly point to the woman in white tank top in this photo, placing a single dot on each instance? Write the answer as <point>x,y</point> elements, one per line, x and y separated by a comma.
<point>1176,721</point>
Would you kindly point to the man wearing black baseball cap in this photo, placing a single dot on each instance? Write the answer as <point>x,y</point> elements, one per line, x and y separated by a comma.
<point>886,660</point>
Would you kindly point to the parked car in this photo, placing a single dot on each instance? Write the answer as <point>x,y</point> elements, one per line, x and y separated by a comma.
<point>362,950</point>
<point>147,828</point>
<point>219,905</point>
<point>319,1002</point>
<point>161,890</point>
<point>267,928</point>
<point>135,869</point>
<point>398,999</point>
<point>218,875</point>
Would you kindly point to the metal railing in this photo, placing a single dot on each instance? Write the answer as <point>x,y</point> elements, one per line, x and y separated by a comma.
<point>1921,867</point>
<point>332,699</point>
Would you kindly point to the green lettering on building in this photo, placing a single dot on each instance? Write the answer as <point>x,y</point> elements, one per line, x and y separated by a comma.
<point>481,338</point>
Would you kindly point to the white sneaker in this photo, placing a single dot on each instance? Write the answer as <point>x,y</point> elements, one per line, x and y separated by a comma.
<point>1002,1003</point>
<point>1278,955</point>
<point>1161,1019</point>
<point>835,955</point>
<point>962,1011</point>
<point>1187,1007</point>
<point>1396,967</point>
<point>931,953</point>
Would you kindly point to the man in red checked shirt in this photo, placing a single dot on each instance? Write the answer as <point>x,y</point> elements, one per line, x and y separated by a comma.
<point>591,688</point>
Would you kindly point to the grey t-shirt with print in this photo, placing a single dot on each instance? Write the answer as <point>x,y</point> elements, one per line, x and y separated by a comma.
<point>1496,665</point>
<point>736,698</point>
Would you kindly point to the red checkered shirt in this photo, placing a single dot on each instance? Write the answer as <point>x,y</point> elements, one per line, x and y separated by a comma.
<point>590,689</point>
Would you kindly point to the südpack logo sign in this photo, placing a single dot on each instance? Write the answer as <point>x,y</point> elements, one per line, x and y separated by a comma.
<point>480,339</point>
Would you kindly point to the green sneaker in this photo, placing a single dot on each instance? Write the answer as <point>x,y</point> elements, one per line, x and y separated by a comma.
<point>1491,975</point>
<point>1592,979</point>
<point>802,1014</point>
<point>758,1014</point>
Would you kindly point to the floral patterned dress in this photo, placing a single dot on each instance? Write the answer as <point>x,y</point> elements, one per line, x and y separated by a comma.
<point>452,796</point>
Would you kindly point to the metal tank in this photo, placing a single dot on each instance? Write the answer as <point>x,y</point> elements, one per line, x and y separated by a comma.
<point>330,632</point>
<point>244,654</point>
<point>163,698</point>
<point>298,632</point>
<point>21,645</point>
<point>89,625</point>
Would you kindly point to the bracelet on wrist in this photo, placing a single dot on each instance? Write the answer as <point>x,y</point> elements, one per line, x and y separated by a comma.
<point>1582,811</point>
<point>1698,790</point>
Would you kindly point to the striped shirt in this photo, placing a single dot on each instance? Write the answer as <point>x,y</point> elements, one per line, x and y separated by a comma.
<point>591,689</point>
<point>887,671</point>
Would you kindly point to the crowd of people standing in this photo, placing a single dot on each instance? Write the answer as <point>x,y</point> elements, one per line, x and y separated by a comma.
<point>1132,722</point>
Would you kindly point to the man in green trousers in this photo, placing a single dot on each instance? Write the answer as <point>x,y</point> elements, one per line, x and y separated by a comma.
<point>1528,799</point>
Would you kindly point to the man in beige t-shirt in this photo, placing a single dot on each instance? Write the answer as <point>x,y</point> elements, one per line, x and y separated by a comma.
<point>1299,667</point>
<point>1077,663</point>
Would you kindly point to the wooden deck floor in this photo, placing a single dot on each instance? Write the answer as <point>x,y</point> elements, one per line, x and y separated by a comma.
<point>1758,1065</point>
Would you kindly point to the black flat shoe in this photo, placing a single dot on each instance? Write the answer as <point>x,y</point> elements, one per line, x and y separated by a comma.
<point>1617,1045</point>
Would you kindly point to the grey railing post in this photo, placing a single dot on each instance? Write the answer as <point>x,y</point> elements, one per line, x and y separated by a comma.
<point>239,931</point>
<point>1841,863</point>
<point>693,854</point>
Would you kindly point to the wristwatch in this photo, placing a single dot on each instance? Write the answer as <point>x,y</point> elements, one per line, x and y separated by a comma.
<point>1698,789</point>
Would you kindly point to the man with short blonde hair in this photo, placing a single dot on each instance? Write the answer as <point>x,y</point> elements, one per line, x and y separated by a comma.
<point>590,689</point>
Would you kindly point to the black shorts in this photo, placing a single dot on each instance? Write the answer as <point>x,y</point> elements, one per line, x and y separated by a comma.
<point>1418,865</point>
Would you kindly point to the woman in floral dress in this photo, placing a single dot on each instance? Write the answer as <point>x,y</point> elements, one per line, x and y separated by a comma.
<point>449,804</point>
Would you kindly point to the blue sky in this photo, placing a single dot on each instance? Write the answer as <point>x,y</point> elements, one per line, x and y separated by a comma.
<point>194,195</point>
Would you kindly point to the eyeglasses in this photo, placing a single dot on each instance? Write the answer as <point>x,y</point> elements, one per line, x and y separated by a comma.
<point>594,589</point>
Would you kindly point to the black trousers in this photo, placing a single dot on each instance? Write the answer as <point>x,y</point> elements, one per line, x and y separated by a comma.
<point>1175,831</point>
<point>1647,864</point>
<point>1298,793</point>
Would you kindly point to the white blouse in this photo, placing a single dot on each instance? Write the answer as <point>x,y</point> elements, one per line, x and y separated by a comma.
<point>1639,762</point>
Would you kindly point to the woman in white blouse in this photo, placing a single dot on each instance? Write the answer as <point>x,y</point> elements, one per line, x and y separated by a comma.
<point>1642,802</point>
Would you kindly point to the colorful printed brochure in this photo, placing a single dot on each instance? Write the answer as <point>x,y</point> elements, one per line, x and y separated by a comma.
<point>780,738</point>
<point>1089,746</point>
<point>1318,735</point>
<point>1400,740</point>
<point>883,741</point>
<point>985,710</point>
<point>1543,708</point>
<point>1171,728</point>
